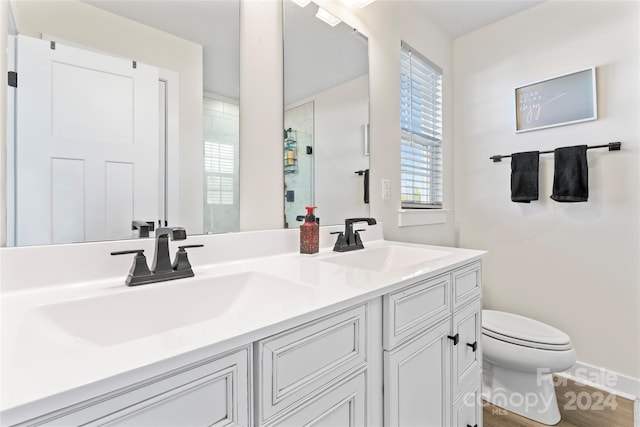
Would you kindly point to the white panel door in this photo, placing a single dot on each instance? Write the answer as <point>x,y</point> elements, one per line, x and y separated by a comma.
<point>467,354</point>
<point>87,154</point>
<point>417,379</point>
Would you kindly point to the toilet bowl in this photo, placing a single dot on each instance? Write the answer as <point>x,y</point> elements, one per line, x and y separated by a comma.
<point>519,357</point>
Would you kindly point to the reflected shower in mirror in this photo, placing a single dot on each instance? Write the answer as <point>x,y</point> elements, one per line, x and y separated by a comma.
<point>326,96</point>
<point>127,113</point>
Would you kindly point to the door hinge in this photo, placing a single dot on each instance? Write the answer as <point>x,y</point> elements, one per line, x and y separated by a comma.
<point>12,79</point>
<point>135,64</point>
<point>52,45</point>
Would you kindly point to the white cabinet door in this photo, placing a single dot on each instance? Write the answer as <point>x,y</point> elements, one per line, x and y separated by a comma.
<point>87,149</point>
<point>467,410</point>
<point>417,378</point>
<point>341,406</point>
<point>467,354</point>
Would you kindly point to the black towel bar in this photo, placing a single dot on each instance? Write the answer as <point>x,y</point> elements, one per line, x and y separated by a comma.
<point>612,146</point>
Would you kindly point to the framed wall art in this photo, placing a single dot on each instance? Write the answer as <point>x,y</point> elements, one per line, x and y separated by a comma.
<point>562,100</point>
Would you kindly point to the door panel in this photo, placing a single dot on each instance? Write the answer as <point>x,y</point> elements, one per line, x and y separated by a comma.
<point>67,177</point>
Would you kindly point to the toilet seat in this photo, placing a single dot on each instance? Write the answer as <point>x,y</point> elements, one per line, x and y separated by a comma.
<point>522,331</point>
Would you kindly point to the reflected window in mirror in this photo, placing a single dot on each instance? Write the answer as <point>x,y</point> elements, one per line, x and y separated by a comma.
<point>221,166</point>
<point>326,96</point>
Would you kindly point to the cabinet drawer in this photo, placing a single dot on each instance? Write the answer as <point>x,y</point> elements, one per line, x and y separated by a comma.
<point>300,361</point>
<point>467,410</point>
<point>467,282</point>
<point>413,309</point>
<point>343,405</point>
<point>213,392</point>
<point>467,354</point>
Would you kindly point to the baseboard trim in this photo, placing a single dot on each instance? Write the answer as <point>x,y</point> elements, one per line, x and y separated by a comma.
<point>609,381</point>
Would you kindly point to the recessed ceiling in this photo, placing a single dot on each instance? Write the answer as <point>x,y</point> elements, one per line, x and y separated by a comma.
<point>459,17</point>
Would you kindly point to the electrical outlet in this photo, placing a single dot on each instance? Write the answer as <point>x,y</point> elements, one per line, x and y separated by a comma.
<point>386,189</point>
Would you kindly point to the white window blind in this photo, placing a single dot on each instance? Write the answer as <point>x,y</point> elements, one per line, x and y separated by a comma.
<point>218,169</point>
<point>421,131</point>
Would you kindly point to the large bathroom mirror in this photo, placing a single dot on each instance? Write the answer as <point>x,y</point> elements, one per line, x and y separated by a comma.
<point>126,110</point>
<point>326,117</point>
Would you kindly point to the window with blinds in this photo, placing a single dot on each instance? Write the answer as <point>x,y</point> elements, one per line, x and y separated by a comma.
<point>219,169</point>
<point>421,131</point>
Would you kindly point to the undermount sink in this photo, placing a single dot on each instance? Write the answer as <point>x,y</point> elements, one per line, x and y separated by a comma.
<point>133,313</point>
<point>386,259</point>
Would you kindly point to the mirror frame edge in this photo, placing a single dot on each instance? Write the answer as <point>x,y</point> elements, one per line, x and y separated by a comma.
<point>4,17</point>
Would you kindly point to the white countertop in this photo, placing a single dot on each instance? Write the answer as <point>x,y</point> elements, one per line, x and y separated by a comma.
<point>40,359</point>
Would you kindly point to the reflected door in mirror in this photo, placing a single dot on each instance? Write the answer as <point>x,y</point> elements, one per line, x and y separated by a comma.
<point>87,147</point>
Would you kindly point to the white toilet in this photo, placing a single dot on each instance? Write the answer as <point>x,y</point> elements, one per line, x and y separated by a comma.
<point>519,357</point>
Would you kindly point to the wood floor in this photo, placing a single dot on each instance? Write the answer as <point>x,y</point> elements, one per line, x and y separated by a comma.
<point>580,406</point>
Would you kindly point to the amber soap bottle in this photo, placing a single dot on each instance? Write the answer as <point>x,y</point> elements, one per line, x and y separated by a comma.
<point>309,233</point>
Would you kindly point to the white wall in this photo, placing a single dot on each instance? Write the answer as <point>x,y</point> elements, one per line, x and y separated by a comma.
<point>574,266</point>
<point>339,116</point>
<point>86,25</point>
<point>261,115</point>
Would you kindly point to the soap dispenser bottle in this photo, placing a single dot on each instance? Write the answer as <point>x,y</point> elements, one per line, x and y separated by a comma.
<point>309,233</point>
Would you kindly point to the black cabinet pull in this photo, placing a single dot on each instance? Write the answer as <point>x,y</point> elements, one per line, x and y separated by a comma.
<point>473,346</point>
<point>455,338</point>
<point>469,425</point>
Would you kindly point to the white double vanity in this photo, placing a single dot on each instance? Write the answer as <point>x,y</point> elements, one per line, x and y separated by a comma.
<point>261,336</point>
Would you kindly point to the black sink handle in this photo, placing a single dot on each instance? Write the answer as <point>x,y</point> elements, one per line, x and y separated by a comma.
<point>190,246</point>
<point>139,269</point>
<point>132,251</point>
<point>181,261</point>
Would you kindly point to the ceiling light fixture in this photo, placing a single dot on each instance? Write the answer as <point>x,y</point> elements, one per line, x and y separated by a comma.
<point>325,16</point>
<point>301,3</point>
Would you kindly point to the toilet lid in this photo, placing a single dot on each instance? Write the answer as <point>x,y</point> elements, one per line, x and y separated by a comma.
<point>524,331</point>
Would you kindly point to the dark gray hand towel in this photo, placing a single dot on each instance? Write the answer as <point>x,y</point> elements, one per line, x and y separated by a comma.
<point>571,174</point>
<point>524,176</point>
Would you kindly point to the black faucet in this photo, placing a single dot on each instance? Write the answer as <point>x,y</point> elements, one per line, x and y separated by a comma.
<point>144,227</point>
<point>162,259</point>
<point>349,240</point>
<point>162,268</point>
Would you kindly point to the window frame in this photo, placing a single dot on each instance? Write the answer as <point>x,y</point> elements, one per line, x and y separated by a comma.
<point>421,142</point>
